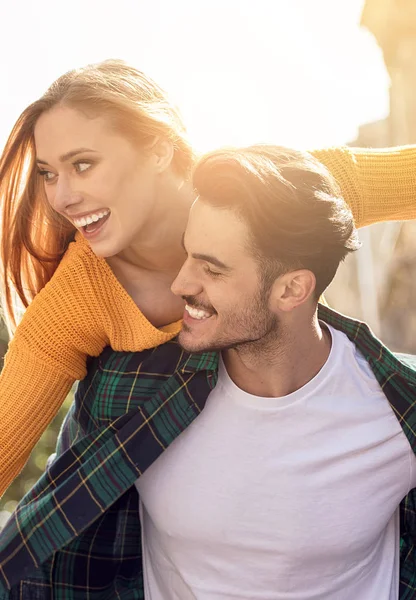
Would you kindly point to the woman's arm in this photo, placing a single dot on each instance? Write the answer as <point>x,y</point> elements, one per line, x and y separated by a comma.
<point>379,185</point>
<point>31,395</point>
<point>46,355</point>
<point>81,310</point>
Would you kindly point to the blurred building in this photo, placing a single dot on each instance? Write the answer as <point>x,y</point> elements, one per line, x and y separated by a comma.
<point>393,24</point>
<point>379,284</point>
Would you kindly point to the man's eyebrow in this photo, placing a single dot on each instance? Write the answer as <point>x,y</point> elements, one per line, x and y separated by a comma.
<point>212,260</point>
<point>207,257</point>
<point>67,155</point>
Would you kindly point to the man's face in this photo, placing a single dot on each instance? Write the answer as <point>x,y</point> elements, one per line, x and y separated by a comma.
<point>226,298</point>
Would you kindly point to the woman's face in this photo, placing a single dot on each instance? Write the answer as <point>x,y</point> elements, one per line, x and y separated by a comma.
<point>96,178</point>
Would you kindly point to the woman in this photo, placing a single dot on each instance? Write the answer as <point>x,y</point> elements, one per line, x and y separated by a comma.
<point>95,190</point>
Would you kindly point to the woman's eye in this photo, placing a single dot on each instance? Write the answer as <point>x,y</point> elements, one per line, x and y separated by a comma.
<point>82,166</point>
<point>47,175</point>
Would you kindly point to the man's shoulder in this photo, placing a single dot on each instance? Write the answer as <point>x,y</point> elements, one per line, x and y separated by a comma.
<point>408,359</point>
<point>383,362</point>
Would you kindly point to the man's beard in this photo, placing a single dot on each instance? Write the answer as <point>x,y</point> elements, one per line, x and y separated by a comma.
<point>250,331</point>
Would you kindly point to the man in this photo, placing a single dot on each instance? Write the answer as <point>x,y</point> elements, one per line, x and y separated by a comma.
<point>297,438</point>
<point>288,484</point>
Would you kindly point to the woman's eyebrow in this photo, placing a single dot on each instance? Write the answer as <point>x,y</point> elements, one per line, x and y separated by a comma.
<point>67,155</point>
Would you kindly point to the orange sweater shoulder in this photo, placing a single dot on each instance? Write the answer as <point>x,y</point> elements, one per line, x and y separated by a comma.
<point>80,311</point>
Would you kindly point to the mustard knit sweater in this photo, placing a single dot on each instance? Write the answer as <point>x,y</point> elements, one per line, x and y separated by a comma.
<point>84,308</point>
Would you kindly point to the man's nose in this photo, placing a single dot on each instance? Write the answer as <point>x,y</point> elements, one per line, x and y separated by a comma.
<point>186,283</point>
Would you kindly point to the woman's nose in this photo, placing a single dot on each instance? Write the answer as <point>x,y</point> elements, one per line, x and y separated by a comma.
<point>65,196</point>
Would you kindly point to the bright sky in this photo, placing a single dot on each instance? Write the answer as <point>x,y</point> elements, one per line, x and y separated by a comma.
<point>294,72</point>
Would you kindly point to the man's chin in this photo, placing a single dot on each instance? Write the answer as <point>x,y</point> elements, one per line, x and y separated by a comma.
<point>197,346</point>
<point>190,344</point>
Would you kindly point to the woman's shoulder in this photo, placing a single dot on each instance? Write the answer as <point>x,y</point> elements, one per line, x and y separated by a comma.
<point>79,250</point>
<point>83,275</point>
<point>80,276</point>
<point>80,260</point>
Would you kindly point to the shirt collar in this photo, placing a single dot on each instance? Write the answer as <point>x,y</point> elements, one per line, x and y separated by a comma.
<point>202,361</point>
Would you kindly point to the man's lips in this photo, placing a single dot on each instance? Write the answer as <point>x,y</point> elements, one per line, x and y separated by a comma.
<point>197,314</point>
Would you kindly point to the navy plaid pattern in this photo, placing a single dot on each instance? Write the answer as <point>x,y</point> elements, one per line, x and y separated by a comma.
<point>77,534</point>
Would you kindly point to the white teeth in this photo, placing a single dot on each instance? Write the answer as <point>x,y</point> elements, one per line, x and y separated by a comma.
<point>93,218</point>
<point>195,313</point>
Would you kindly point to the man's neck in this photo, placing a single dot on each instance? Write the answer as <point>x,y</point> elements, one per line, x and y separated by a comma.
<point>283,366</point>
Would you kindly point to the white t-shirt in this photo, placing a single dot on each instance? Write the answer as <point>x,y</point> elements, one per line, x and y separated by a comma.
<point>291,498</point>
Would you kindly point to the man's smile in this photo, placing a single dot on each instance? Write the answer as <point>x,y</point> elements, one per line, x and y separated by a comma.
<point>198,313</point>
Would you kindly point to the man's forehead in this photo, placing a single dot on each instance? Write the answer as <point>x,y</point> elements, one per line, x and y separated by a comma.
<point>213,219</point>
<point>216,231</point>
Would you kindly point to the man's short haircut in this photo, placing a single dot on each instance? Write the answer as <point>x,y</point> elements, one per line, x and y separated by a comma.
<point>291,204</point>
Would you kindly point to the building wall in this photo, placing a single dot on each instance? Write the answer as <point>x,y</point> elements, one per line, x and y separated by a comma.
<point>379,284</point>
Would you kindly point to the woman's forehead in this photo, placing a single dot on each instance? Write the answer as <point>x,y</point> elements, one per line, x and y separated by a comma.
<point>61,129</point>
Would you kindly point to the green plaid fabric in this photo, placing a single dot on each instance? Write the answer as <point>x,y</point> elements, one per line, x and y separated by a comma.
<point>76,534</point>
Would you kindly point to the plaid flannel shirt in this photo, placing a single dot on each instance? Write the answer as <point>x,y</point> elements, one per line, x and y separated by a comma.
<point>76,535</point>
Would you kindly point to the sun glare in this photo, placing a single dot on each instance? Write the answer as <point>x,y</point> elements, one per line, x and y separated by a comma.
<point>302,74</point>
<point>298,73</point>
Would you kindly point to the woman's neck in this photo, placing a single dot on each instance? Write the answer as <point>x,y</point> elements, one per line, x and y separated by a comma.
<point>147,269</point>
<point>160,247</point>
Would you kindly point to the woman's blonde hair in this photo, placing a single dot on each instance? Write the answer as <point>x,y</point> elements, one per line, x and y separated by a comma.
<point>34,236</point>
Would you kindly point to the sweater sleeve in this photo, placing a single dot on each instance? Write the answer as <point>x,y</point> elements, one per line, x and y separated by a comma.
<point>46,355</point>
<point>379,185</point>
<point>81,310</point>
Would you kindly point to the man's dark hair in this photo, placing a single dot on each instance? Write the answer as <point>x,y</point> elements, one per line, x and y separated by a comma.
<point>291,203</point>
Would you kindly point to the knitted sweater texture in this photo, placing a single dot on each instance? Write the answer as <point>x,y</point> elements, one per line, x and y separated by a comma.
<point>84,308</point>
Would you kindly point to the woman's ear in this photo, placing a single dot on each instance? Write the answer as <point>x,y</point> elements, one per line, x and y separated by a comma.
<point>162,151</point>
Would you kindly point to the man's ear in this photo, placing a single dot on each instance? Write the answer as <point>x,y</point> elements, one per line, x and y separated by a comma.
<point>292,290</point>
<point>162,151</point>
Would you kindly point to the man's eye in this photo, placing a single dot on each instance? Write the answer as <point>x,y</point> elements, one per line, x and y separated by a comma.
<point>47,175</point>
<point>210,272</point>
<point>82,166</point>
